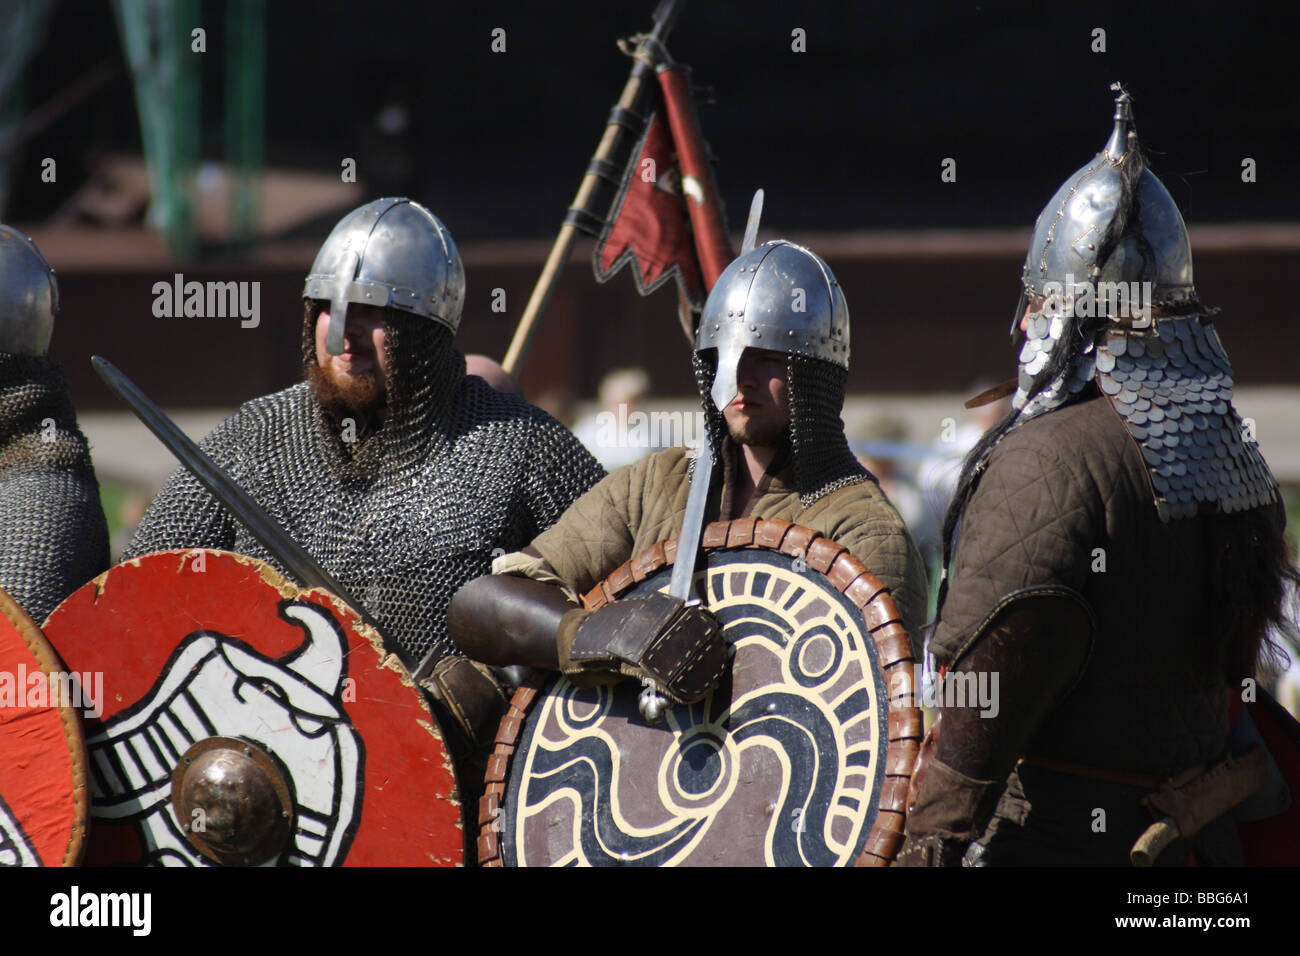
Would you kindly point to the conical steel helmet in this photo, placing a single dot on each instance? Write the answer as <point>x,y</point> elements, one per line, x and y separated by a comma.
<point>391,253</point>
<point>1112,221</point>
<point>778,296</point>
<point>29,295</point>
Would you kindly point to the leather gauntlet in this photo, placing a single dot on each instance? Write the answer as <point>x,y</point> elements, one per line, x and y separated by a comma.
<point>946,810</point>
<point>678,649</point>
<point>468,693</point>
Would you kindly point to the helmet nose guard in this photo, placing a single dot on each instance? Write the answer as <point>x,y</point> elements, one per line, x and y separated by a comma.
<point>390,253</point>
<point>781,297</point>
<point>29,295</point>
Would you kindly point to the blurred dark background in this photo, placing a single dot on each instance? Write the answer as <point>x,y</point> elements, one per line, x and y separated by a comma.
<point>848,135</point>
<point>847,138</point>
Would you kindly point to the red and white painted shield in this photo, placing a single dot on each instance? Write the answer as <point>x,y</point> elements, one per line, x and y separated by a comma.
<point>43,797</point>
<point>246,721</point>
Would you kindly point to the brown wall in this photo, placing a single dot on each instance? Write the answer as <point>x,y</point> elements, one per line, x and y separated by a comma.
<point>921,322</point>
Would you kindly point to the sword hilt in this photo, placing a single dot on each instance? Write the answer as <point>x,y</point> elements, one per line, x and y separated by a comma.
<point>651,703</point>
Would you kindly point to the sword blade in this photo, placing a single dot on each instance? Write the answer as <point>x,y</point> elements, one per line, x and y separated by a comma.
<point>751,227</point>
<point>248,512</point>
<point>688,540</point>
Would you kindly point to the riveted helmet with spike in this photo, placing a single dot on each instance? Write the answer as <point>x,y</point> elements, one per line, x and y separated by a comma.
<point>1109,278</point>
<point>1109,246</point>
<point>784,298</point>
<point>1113,221</point>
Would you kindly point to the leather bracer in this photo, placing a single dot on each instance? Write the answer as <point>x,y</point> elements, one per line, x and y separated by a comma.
<point>1029,655</point>
<point>502,619</point>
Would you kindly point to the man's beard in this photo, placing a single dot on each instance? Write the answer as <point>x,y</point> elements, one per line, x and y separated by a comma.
<point>760,434</point>
<point>360,396</point>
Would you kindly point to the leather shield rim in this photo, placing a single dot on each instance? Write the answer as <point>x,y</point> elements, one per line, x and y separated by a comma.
<point>847,575</point>
<point>43,651</point>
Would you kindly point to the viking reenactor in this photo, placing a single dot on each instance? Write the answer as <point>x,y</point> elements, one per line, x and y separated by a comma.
<point>1115,556</point>
<point>771,365</point>
<point>54,533</point>
<point>398,473</point>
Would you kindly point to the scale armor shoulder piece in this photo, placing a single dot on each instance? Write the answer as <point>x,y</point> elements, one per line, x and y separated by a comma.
<point>1173,390</point>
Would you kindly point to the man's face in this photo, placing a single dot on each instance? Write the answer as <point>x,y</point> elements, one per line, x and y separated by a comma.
<point>358,378</point>
<point>760,413</point>
<point>1033,307</point>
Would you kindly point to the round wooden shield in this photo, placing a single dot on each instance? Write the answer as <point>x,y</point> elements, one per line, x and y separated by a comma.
<point>43,797</point>
<point>242,720</point>
<point>801,757</point>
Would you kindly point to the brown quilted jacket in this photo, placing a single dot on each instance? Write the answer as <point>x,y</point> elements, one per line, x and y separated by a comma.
<point>1065,500</point>
<point>644,503</point>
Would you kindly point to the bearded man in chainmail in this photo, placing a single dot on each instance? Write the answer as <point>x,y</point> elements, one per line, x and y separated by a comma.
<point>772,354</point>
<point>1115,553</point>
<point>392,468</point>
<point>54,535</point>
